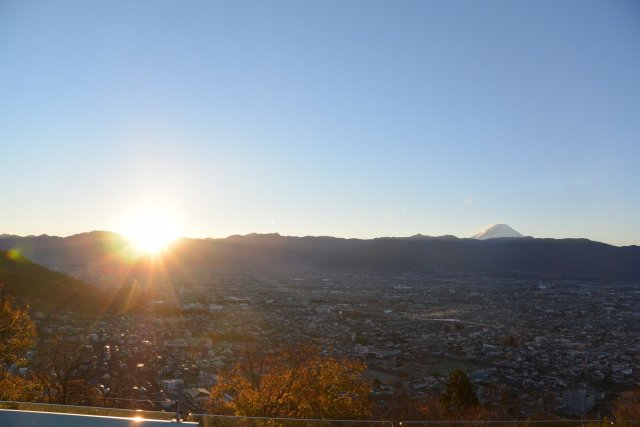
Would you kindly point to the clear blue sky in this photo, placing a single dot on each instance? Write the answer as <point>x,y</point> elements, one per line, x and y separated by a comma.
<point>345,118</point>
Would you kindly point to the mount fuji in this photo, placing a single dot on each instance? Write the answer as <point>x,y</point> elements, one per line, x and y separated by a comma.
<point>497,231</point>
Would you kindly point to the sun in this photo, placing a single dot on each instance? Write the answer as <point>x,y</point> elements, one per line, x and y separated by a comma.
<point>150,232</point>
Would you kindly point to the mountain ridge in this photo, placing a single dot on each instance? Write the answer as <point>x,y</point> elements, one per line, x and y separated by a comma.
<point>106,253</point>
<point>107,233</point>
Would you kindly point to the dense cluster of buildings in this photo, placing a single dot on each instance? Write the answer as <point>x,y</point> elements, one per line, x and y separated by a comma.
<point>557,346</point>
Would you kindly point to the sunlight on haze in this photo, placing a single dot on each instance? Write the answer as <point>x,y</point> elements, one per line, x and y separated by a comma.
<point>151,232</point>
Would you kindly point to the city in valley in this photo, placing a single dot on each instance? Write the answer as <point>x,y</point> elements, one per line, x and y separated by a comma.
<point>550,347</point>
<point>261,213</point>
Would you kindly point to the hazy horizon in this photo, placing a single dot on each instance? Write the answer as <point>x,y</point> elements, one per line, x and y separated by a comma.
<point>298,235</point>
<point>361,119</point>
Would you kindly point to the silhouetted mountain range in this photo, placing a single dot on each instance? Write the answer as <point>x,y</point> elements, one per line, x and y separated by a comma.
<point>109,253</point>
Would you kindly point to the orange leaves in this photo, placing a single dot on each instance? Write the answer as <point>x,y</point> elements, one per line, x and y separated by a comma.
<point>17,332</point>
<point>18,389</point>
<point>627,406</point>
<point>294,383</point>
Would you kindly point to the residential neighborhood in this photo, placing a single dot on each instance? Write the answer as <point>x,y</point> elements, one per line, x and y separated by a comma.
<point>568,345</point>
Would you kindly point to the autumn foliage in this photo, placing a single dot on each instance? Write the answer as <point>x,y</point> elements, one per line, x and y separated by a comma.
<point>298,383</point>
<point>19,389</point>
<point>627,406</point>
<point>17,333</point>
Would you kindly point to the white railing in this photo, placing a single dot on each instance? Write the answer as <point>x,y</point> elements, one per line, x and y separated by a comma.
<point>210,420</point>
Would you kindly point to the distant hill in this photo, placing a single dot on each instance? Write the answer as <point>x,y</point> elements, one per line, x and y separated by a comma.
<point>50,291</point>
<point>43,289</point>
<point>106,253</point>
<point>96,247</point>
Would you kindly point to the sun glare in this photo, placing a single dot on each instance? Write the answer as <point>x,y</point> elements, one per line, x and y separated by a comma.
<point>151,233</point>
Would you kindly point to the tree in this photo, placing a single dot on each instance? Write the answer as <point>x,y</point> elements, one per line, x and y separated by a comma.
<point>116,389</point>
<point>294,383</point>
<point>17,333</point>
<point>627,406</point>
<point>60,368</point>
<point>459,395</point>
<point>401,407</point>
<point>19,389</point>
